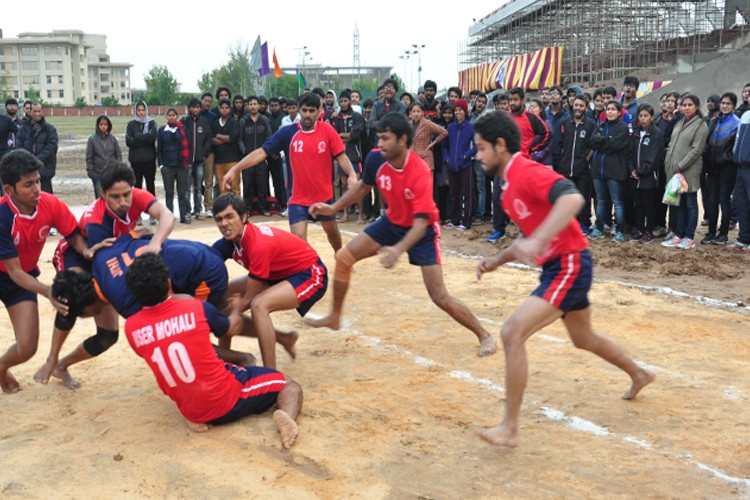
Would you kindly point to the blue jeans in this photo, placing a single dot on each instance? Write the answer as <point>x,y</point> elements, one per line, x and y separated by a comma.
<point>686,216</point>
<point>196,174</point>
<point>479,180</point>
<point>609,191</point>
<point>96,180</point>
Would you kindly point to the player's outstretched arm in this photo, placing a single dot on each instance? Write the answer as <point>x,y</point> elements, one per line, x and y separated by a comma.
<point>166,218</point>
<point>30,283</point>
<point>352,196</point>
<point>346,166</point>
<point>248,161</point>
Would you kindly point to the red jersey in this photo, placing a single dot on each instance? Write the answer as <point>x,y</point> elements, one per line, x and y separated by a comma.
<point>310,156</point>
<point>526,201</point>
<point>24,236</point>
<point>174,339</point>
<point>406,191</point>
<point>269,253</point>
<point>98,222</point>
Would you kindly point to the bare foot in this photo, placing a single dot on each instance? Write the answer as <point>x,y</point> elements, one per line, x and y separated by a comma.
<point>197,426</point>
<point>288,341</point>
<point>361,221</point>
<point>67,379</point>
<point>487,346</point>
<point>43,374</point>
<point>639,382</point>
<point>287,428</point>
<point>329,321</point>
<point>9,383</point>
<point>500,436</point>
<point>343,218</point>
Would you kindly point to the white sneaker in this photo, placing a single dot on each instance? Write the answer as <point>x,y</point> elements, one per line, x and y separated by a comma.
<point>283,212</point>
<point>671,243</point>
<point>207,214</point>
<point>686,244</point>
<point>738,245</point>
<point>53,231</point>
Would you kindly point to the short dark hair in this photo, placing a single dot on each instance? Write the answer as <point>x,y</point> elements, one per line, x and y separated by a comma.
<point>239,97</point>
<point>616,103</point>
<point>390,81</point>
<point>310,99</point>
<point>407,94</point>
<point>116,172</point>
<point>229,200</point>
<point>194,101</point>
<point>495,125</point>
<point>609,90</point>
<point>223,102</point>
<point>353,91</point>
<point>457,90</point>
<point>262,99</point>
<point>209,94</point>
<point>397,124</point>
<point>429,84</point>
<point>318,91</point>
<point>147,279</point>
<point>517,91</point>
<point>252,98</point>
<point>274,99</point>
<point>220,89</point>
<point>11,100</point>
<point>647,108</point>
<point>290,102</point>
<point>557,88</point>
<point>631,80</point>
<point>597,93</point>
<point>76,289</point>
<point>368,103</point>
<point>16,164</point>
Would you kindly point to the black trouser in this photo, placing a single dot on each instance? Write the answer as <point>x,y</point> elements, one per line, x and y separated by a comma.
<point>645,209</point>
<point>499,218</point>
<point>585,185</point>
<point>276,171</point>
<point>46,184</point>
<point>461,184</point>
<point>660,217</point>
<point>718,193</point>
<point>145,170</point>
<point>255,183</point>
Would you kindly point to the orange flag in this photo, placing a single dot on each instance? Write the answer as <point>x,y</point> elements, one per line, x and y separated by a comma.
<point>276,66</point>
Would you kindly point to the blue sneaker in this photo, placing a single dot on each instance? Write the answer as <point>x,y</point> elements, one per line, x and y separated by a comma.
<point>618,237</point>
<point>496,236</point>
<point>595,235</point>
<point>584,229</point>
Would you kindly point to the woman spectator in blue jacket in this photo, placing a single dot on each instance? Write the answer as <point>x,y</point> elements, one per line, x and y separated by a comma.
<point>458,150</point>
<point>172,155</point>
<point>647,155</point>
<point>609,170</point>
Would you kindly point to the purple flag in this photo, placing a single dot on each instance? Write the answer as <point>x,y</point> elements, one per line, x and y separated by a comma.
<point>265,68</point>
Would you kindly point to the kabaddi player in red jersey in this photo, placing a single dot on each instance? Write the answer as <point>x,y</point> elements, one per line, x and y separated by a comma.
<point>26,216</point>
<point>113,214</point>
<point>284,272</point>
<point>173,337</point>
<point>410,225</point>
<point>310,146</point>
<point>544,205</point>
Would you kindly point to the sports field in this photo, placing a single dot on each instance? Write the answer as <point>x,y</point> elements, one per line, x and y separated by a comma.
<point>393,401</point>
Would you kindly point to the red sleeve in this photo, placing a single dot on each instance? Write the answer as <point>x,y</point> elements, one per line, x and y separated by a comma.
<point>142,200</point>
<point>423,199</point>
<point>335,142</point>
<point>259,255</point>
<point>65,221</point>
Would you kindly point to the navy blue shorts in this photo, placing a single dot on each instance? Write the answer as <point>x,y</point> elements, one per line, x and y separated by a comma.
<point>310,285</point>
<point>357,169</point>
<point>68,259</point>
<point>426,252</point>
<point>565,281</point>
<point>261,388</point>
<point>12,294</point>
<point>299,213</point>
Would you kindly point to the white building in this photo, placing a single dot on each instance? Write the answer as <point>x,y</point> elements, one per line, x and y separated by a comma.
<point>62,66</point>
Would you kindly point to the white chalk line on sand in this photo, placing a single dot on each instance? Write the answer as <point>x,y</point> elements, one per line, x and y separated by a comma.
<point>574,422</point>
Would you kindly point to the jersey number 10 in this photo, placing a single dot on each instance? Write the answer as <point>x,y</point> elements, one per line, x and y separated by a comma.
<point>179,359</point>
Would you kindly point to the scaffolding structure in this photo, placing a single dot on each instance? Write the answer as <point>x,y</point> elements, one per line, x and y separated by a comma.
<point>605,40</point>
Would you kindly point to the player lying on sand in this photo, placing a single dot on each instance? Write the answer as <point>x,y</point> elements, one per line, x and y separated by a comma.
<point>173,336</point>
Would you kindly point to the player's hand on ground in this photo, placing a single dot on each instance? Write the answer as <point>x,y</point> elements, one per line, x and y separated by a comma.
<point>320,209</point>
<point>106,243</point>
<point>389,256</point>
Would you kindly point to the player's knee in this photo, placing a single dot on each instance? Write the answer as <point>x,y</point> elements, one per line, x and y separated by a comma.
<point>344,262</point>
<point>26,350</point>
<point>64,323</point>
<point>440,298</point>
<point>292,389</point>
<point>510,333</point>
<point>103,340</point>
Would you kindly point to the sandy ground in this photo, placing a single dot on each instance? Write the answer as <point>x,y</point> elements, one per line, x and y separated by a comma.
<point>393,400</point>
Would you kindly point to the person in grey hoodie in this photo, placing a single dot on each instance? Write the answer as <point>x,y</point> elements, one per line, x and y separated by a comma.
<point>100,150</point>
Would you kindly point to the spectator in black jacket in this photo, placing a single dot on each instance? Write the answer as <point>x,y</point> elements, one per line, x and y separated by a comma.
<point>609,170</point>
<point>575,144</point>
<point>646,158</point>
<point>255,129</point>
<point>39,138</point>
<point>198,131</point>
<point>275,163</point>
<point>350,127</point>
<point>140,137</point>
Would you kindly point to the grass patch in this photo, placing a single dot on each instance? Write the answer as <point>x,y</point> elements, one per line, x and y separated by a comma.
<point>84,125</point>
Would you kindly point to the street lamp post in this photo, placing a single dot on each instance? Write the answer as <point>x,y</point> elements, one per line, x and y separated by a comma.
<point>410,53</point>
<point>405,58</point>
<point>302,54</point>
<point>419,48</point>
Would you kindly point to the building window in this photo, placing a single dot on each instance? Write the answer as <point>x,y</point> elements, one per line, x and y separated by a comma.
<point>62,94</point>
<point>122,96</point>
<point>47,50</point>
<point>53,64</point>
<point>15,94</point>
<point>49,94</point>
<point>8,66</point>
<point>60,79</point>
<point>104,77</point>
<point>31,80</point>
<point>29,51</point>
<point>59,50</point>
<point>30,65</point>
<point>104,89</point>
<point>49,81</point>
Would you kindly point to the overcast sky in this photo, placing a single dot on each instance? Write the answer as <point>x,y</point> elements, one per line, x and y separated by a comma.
<point>191,42</point>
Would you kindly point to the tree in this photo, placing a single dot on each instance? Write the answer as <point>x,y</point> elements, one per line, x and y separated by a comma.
<point>161,86</point>
<point>110,101</point>
<point>286,86</point>
<point>368,87</point>
<point>235,74</point>
<point>33,95</point>
<point>80,102</point>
